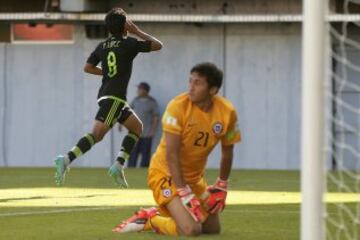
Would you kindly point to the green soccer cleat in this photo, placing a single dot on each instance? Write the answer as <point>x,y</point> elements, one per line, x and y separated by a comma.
<point>116,171</point>
<point>60,170</point>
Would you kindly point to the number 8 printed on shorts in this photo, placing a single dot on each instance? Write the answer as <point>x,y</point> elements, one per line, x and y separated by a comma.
<point>111,62</point>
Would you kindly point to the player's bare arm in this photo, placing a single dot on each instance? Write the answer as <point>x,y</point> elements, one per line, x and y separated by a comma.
<point>91,69</point>
<point>187,197</point>
<point>226,161</point>
<point>134,29</point>
<point>173,144</point>
<point>216,194</point>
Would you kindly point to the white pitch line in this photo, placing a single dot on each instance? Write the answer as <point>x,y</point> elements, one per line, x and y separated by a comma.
<point>55,211</point>
<point>271,211</point>
<point>109,208</point>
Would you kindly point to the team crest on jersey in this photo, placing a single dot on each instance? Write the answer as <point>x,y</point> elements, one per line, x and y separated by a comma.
<point>217,127</point>
<point>166,192</point>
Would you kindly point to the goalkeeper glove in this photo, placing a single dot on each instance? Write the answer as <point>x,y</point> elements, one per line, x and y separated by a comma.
<point>216,196</point>
<point>116,171</point>
<point>191,203</point>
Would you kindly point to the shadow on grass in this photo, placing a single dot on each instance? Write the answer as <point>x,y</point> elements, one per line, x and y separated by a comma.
<point>245,180</point>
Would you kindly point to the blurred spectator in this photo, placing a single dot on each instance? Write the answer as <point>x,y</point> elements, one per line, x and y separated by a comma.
<point>146,108</point>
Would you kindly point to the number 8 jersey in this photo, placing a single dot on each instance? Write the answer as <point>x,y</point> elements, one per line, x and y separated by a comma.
<point>116,57</point>
<point>200,131</point>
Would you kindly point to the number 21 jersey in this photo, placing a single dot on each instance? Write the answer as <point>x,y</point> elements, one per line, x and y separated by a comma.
<point>199,131</point>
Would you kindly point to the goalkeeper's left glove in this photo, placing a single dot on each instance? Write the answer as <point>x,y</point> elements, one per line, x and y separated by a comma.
<point>215,196</point>
<point>116,171</point>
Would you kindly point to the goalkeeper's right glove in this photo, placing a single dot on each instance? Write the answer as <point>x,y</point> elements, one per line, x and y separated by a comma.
<point>191,203</point>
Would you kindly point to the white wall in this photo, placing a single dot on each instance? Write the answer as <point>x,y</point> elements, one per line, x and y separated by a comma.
<point>48,103</point>
<point>348,118</point>
<point>2,104</point>
<point>51,103</point>
<point>263,81</point>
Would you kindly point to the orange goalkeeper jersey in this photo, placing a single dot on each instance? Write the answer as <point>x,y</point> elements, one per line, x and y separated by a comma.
<point>200,131</point>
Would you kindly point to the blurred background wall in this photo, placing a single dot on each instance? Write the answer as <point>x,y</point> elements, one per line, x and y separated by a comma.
<point>47,102</point>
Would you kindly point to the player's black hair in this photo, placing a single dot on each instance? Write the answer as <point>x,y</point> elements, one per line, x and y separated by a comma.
<point>115,22</point>
<point>213,75</point>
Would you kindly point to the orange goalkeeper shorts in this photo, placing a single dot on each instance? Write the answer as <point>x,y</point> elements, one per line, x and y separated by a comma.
<point>164,190</point>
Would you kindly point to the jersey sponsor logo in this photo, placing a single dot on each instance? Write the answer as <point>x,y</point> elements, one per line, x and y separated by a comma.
<point>167,192</point>
<point>217,127</point>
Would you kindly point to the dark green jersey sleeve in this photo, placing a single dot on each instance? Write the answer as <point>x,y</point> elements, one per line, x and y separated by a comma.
<point>143,46</point>
<point>95,56</point>
<point>139,45</point>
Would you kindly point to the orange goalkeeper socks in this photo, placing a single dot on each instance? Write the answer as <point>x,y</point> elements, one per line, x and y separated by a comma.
<point>162,225</point>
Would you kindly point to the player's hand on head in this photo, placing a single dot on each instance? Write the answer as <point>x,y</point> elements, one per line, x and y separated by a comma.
<point>215,196</point>
<point>191,203</point>
<point>130,26</point>
<point>122,11</point>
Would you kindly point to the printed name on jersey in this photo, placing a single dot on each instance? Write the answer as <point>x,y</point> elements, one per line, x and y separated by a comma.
<point>111,44</point>
<point>217,127</point>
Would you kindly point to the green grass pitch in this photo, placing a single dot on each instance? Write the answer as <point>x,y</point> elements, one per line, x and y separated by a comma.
<point>261,204</point>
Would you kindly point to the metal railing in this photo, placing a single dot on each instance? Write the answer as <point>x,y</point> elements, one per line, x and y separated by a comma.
<point>171,18</point>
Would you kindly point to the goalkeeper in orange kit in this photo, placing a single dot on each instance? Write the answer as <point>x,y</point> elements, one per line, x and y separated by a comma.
<point>194,122</point>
